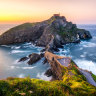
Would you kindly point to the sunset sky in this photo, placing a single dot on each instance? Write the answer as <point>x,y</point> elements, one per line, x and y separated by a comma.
<point>20,11</point>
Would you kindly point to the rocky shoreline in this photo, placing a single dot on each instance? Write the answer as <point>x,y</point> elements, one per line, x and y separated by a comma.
<point>50,34</point>
<point>57,64</point>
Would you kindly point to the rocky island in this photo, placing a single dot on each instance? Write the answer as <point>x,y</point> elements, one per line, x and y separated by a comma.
<point>51,33</point>
<point>67,78</point>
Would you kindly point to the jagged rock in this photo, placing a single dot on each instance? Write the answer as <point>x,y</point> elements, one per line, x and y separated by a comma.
<point>48,73</point>
<point>83,34</point>
<point>34,58</point>
<point>51,33</point>
<point>45,61</point>
<point>23,33</point>
<point>23,59</point>
<point>56,68</point>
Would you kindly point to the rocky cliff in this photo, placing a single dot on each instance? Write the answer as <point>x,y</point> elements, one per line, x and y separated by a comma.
<point>59,65</point>
<point>68,80</point>
<point>50,33</point>
<point>63,67</point>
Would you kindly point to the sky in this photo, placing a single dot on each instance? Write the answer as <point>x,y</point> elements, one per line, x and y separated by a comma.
<point>21,11</point>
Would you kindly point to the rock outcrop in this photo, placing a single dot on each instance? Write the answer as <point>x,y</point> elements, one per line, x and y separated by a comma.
<point>83,34</point>
<point>56,70</point>
<point>52,33</point>
<point>33,58</point>
<point>23,59</point>
<point>60,67</point>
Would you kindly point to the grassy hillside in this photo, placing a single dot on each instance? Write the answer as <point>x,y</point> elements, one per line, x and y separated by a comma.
<point>21,27</point>
<point>73,84</point>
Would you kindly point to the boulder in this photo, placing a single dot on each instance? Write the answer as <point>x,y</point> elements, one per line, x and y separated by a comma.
<point>83,34</point>
<point>23,59</point>
<point>34,57</point>
<point>48,73</point>
<point>56,67</point>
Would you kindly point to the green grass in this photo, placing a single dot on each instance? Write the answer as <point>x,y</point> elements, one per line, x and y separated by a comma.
<point>21,27</point>
<point>73,83</point>
<point>51,20</point>
<point>77,82</point>
<point>17,86</point>
<point>94,77</point>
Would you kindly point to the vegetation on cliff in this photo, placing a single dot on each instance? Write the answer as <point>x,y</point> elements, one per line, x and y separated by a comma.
<point>68,82</point>
<point>52,34</point>
<point>94,77</point>
<point>73,84</point>
<point>40,33</point>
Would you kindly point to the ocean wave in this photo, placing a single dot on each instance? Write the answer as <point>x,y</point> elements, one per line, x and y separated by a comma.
<point>28,67</point>
<point>32,46</point>
<point>85,53</point>
<point>82,55</point>
<point>86,65</point>
<point>16,62</point>
<point>94,37</point>
<point>43,77</point>
<point>21,76</point>
<point>15,47</point>
<point>18,51</point>
<point>88,44</point>
<point>81,49</point>
<point>14,67</point>
<point>5,45</point>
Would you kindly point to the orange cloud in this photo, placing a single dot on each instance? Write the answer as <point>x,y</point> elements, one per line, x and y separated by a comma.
<point>19,11</point>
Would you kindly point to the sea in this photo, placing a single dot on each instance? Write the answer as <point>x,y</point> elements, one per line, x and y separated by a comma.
<point>83,54</point>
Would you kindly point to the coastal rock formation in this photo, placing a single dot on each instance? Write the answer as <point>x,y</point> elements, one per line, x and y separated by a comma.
<point>56,69</point>
<point>51,33</point>
<point>33,58</point>
<point>23,59</point>
<point>83,34</point>
<point>59,66</point>
<point>69,80</point>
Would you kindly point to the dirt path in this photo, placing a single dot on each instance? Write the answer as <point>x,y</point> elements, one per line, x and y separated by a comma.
<point>88,77</point>
<point>64,61</point>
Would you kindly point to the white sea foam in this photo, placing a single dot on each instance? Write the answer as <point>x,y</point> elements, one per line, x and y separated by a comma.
<point>21,76</point>
<point>94,37</point>
<point>27,43</point>
<point>17,67</point>
<point>82,55</point>
<point>16,62</point>
<point>81,48</point>
<point>85,53</point>
<point>28,67</point>
<point>12,67</point>
<point>18,51</point>
<point>43,77</point>
<point>15,47</point>
<point>5,45</point>
<point>89,44</point>
<point>65,51</point>
<point>87,65</point>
